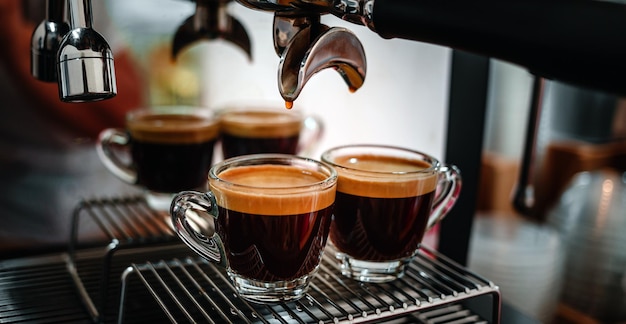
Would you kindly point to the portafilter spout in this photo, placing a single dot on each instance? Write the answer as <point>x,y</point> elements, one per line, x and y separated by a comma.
<point>552,39</point>
<point>306,47</point>
<point>45,42</point>
<point>85,60</point>
<point>211,21</point>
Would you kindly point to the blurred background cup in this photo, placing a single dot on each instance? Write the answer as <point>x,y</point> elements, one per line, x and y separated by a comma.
<point>163,150</point>
<point>387,198</point>
<point>267,128</point>
<point>265,218</point>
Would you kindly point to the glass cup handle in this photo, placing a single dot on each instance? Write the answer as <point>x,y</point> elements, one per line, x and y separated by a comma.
<point>312,132</point>
<point>448,191</point>
<point>110,143</point>
<point>193,216</point>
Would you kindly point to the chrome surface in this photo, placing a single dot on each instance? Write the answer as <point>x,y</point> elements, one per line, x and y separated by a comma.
<point>290,6</point>
<point>45,41</point>
<point>211,21</point>
<point>138,272</point>
<point>306,46</point>
<point>85,61</point>
<point>356,11</point>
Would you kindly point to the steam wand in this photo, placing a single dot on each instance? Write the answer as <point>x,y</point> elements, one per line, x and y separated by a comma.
<point>85,68</point>
<point>45,42</point>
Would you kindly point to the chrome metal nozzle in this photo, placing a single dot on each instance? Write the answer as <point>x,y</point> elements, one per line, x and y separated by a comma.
<point>45,42</point>
<point>85,67</point>
<point>85,60</point>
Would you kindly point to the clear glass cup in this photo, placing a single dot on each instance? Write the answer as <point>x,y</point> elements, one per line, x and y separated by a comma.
<point>265,128</point>
<point>265,218</point>
<point>163,150</point>
<point>387,198</point>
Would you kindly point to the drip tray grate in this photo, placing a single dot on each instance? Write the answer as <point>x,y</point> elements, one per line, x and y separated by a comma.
<point>194,290</point>
<point>140,272</point>
<point>40,290</point>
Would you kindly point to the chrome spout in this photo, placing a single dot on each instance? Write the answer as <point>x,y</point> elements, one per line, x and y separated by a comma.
<point>45,42</point>
<point>571,51</point>
<point>306,47</point>
<point>85,60</point>
<point>211,21</point>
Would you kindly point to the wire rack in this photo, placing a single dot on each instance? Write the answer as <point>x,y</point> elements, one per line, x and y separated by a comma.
<point>143,265</point>
<point>131,232</point>
<point>39,290</point>
<point>195,290</point>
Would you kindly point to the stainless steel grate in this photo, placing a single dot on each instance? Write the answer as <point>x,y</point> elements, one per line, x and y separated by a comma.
<point>194,290</point>
<point>122,222</point>
<point>40,290</point>
<point>167,282</point>
<point>122,226</point>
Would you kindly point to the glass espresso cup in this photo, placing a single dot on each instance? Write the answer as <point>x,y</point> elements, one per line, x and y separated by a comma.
<point>267,129</point>
<point>387,198</point>
<point>265,218</point>
<point>163,150</point>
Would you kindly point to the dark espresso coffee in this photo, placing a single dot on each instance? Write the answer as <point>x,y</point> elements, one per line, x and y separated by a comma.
<point>383,216</point>
<point>260,131</point>
<point>275,236</point>
<point>172,152</point>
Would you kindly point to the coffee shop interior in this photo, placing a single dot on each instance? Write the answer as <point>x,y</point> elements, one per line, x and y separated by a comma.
<point>536,235</point>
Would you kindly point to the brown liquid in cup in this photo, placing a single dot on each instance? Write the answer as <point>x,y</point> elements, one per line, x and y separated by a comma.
<point>260,131</point>
<point>382,217</point>
<point>272,237</point>
<point>172,153</point>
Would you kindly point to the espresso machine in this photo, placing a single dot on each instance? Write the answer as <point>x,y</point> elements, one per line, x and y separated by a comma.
<point>551,40</point>
<point>577,42</point>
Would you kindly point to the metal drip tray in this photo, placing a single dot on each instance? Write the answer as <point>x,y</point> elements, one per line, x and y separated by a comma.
<point>39,290</point>
<point>194,290</point>
<point>141,273</point>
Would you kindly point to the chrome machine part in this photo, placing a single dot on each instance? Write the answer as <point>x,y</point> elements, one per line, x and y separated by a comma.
<point>557,45</point>
<point>211,21</point>
<point>85,60</point>
<point>356,11</point>
<point>306,46</point>
<point>45,42</point>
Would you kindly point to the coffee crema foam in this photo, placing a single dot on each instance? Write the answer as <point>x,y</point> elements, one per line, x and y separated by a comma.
<point>173,128</point>
<point>271,190</point>
<point>379,176</point>
<point>261,123</point>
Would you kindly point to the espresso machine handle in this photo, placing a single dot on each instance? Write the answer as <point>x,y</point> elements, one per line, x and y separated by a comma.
<point>575,41</point>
